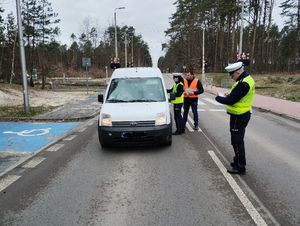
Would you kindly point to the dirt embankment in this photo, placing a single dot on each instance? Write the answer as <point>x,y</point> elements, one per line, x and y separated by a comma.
<point>12,95</point>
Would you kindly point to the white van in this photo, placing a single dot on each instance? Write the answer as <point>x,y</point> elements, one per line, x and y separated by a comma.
<point>135,109</point>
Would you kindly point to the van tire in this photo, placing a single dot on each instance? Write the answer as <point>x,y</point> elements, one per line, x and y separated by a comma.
<point>168,141</point>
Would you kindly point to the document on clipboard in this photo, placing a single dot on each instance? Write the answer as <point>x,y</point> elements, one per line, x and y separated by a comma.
<point>220,94</point>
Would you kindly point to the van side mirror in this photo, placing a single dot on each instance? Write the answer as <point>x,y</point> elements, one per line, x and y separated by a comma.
<point>100,98</point>
<point>172,96</point>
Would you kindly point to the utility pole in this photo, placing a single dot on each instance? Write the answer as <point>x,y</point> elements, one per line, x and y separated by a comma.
<point>242,30</point>
<point>203,54</point>
<point>125,49</point>
<point>132,51</point>
<point>22,57</point>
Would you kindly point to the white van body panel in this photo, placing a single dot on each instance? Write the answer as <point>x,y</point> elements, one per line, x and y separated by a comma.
<point>135,111</point>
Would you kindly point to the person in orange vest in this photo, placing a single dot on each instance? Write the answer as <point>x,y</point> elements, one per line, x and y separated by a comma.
<point>192,88</point>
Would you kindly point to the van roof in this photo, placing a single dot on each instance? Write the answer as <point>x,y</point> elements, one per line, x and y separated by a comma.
<point>134,72</point>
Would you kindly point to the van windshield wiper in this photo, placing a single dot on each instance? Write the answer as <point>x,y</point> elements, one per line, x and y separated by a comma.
<point>116,100</point>
<point>141,100</point>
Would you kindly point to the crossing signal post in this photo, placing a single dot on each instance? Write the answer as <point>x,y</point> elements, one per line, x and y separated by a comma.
<point>244,57</point>
<point>115,63</point>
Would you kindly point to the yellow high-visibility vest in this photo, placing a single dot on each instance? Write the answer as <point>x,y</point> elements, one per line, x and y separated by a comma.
<point>243,105</point>
<point>178,100</point>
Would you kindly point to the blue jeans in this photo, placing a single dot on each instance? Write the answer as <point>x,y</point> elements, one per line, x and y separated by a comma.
<point>186,107</point>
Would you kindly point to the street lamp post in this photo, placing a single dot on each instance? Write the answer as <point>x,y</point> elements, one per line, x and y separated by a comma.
<point>242,29</point>
<point>116,41</point>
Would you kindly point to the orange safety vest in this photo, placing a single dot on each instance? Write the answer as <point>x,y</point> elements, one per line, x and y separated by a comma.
<point>193,87</point>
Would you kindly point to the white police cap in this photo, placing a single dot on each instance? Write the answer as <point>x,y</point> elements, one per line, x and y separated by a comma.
<point>234,67</point>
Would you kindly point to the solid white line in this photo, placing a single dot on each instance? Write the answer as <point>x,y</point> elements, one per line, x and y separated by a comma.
<point>8,180</point>
<point>189,127</point>
<point>192,122</point>
<point>238,191</point>
<point>200,109</point>
<point>55,147</point>
<point>212,101</point>
<point>70,137</point>
<point>33,162</point>
<point>217,110</point>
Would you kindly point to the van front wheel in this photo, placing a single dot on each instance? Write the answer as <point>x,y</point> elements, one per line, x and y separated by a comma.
<point>168,140</point>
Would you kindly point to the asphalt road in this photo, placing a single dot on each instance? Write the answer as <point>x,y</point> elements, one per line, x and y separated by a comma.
<point>81,184</point>
<point>75,182</point>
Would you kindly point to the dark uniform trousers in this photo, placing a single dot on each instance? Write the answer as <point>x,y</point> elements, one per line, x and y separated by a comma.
<point>178,118</point>
<point>238,124</point>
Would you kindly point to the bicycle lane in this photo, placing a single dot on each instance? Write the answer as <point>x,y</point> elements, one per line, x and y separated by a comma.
<point>26,137</point>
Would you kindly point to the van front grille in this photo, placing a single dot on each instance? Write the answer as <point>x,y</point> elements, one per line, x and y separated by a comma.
<point>133,123</point>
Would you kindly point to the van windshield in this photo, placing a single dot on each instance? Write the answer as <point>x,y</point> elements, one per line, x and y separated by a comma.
<point>136,90</point>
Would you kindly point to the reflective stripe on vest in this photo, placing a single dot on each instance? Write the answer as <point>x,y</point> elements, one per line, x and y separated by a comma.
<point>178,100</point>
<point>243,105</point>
<point>192,87</point>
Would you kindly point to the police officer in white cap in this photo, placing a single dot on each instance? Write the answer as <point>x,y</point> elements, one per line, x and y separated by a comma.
<point>239,103</point>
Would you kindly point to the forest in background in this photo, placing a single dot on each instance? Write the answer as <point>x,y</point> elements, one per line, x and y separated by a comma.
<point>270,49</point>
<point>50,58</point>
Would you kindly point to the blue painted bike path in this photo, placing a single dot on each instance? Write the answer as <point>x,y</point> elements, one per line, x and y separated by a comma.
<point>30,137</point>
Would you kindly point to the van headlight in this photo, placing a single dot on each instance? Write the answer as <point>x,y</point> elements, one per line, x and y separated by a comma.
<point>106,120</point>
<point>160,119</point>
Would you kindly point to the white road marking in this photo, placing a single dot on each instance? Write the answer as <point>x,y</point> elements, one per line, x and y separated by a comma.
<point>8,180</point>
<point>201,103</point>
<point>55,147</point>
<point>189,127</point>
<point>81,129</point>
<point>200,109</point>
<point>217,110</point>
<point>238,191</point>
<point>92,122</point>
<point>192,122</point>
<point>70,137</point>
<point>33,162</point>
<point>212,101</point>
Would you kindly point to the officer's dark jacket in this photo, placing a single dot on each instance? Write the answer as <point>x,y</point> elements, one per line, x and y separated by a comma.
<point>237,93</point>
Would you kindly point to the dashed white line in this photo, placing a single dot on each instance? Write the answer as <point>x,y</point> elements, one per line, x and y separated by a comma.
<point>33,162</point>
<point>201,103</point>
<point>238,191</point>
<point>223,110</point>
<point>55,147</point>
<point>70,137</point>
<point>8,180</point>
<point>212,101</point>
<point>200,109</point>
<point>81,129</point>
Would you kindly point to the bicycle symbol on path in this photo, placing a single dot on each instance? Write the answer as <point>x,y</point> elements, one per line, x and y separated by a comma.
<point>30,133</point>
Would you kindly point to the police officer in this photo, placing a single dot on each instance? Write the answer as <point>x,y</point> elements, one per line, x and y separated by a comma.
<point>239,103</point>
<point>192,88</point>
<point>177,103</point>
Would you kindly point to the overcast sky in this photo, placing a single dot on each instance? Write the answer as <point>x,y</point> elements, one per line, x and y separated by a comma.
<point>150,18</point>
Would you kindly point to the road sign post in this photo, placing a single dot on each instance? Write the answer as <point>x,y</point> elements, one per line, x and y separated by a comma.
<point>86,62</point>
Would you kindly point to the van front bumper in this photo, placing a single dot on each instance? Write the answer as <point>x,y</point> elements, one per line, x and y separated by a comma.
<point>117,136</point>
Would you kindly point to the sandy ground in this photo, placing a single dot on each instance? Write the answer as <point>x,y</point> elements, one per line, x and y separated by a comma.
<point>13,96</point>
